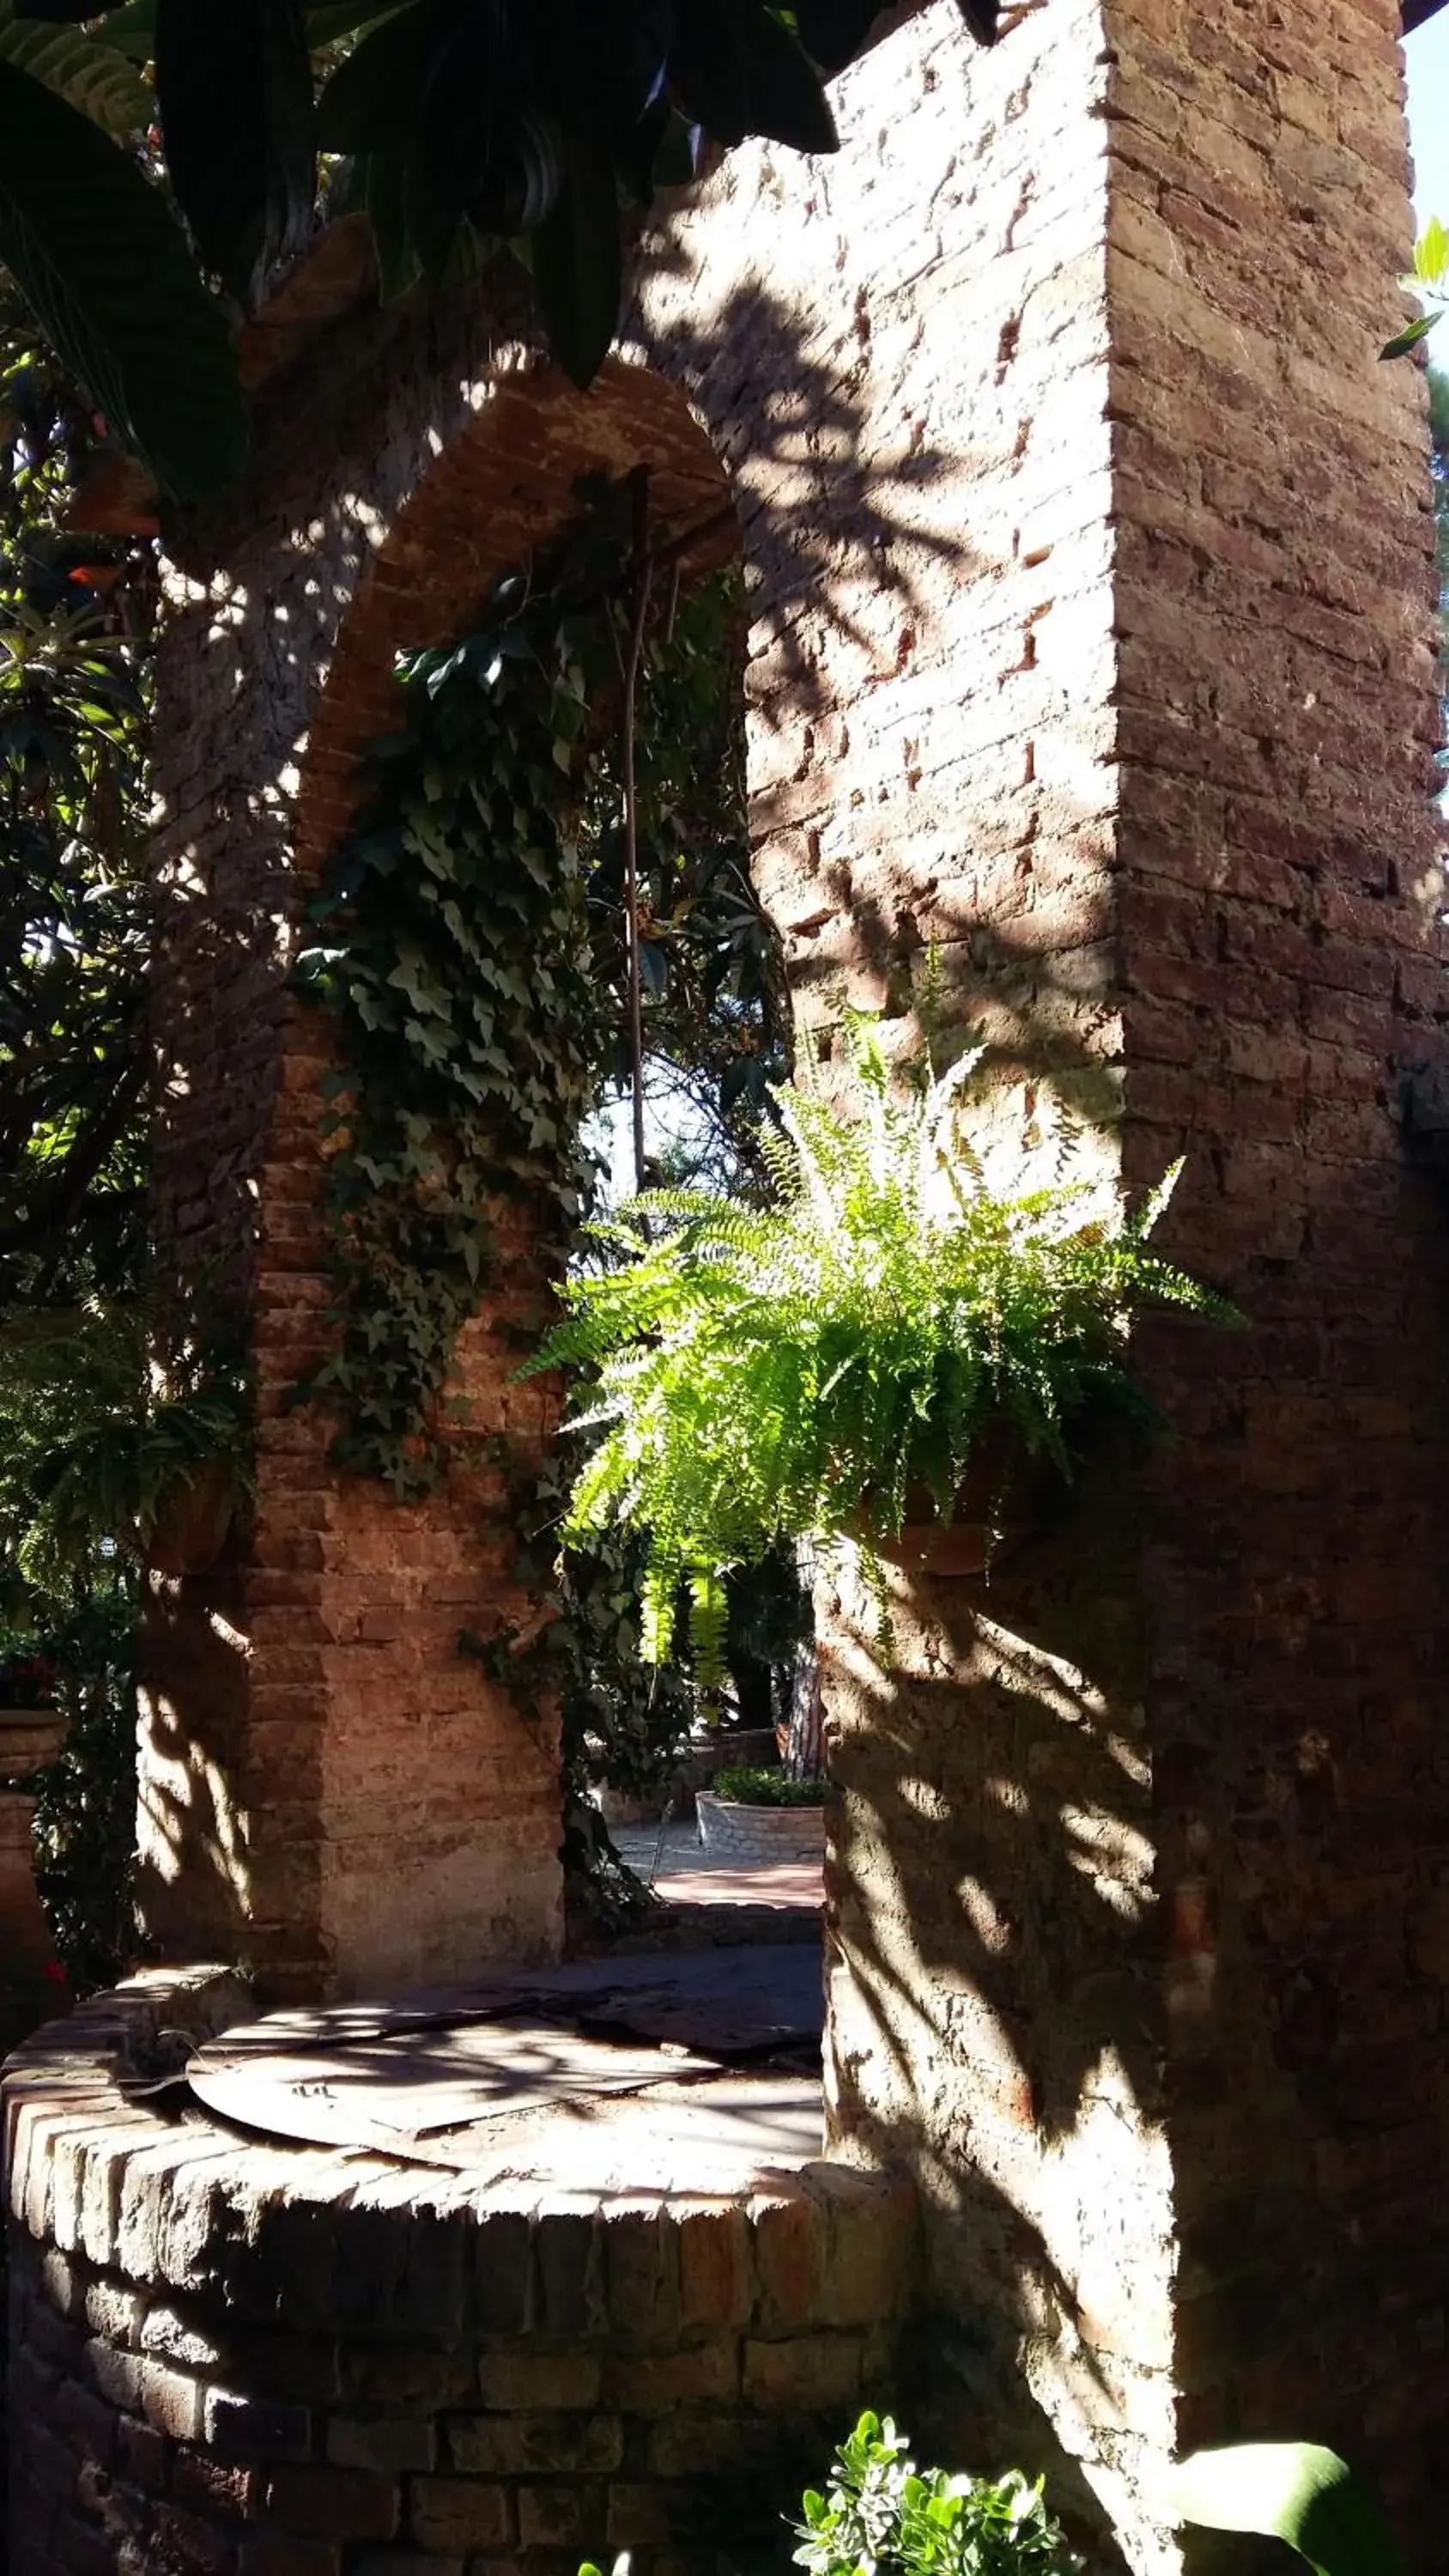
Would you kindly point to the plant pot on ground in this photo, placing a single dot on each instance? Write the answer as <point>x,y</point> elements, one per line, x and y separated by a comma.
<point>806,1371</point>
<point>30,1738</point>
<point>192,1519</point>
<point>762,1815</point>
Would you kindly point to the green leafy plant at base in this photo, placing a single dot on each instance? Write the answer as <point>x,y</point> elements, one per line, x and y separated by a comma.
<point>882,2516</point>
<point>96,1435</point>
<point>750,1787</point>
<point>799,1371</point>
<point>1293,2491</point>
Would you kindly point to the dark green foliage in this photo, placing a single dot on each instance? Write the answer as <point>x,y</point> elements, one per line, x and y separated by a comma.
<point>245,180</point>
<point>74,913</point>
<point>794,1372</point>
<point>475,961</point>
<point>531,125</point>
<point>86,1801</point>
<point>104,268</point>
<point>457,973</point>
<point>473,126</point>
<point>74,932</point>
<point>764,1788</point>
<point>882,2516</point>
<point>90,74</point>
<point>100,1422</point>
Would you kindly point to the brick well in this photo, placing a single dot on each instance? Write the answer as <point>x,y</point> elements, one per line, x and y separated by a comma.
<point>257,2360</point>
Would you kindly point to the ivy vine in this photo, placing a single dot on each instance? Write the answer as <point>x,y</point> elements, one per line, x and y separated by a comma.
<point>451,949</point>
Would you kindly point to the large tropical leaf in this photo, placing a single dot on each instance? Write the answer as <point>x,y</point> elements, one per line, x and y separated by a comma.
<point>131,30</point>
<point>110,280</point>
<point>1293,2491</point>
<point>787,102</point>
<point>373,98</point>
<point>245,177</point>
<point>94,77</point>
<point>578,261</point>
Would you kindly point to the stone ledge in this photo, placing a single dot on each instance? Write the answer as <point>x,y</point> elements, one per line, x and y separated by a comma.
<point>326,2350</point>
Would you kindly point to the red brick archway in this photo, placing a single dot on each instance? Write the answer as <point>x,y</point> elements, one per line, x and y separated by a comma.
<point>363,1804</point>
<point>502,489</point>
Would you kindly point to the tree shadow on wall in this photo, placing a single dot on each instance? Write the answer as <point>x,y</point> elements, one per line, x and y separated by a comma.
<point>842,547</point>
<point>997,2020</point>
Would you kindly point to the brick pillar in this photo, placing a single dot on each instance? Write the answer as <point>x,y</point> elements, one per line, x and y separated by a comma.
<point>332,1797</point>
<point>1094,589</point>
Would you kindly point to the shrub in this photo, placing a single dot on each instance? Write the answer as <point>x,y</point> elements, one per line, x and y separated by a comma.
<point>766,1788</point>
<point>882,2516</point>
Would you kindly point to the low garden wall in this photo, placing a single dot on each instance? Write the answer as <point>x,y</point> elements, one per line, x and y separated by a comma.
<point>244,2359</point>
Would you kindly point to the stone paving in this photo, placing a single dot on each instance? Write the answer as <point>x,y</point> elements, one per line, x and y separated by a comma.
<point>671,1860</point>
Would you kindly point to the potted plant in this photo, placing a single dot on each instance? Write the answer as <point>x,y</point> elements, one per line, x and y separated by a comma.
<point>894,1345</point>
<point>115,1437</point>
<point>32,1727</point>
<point>759,1813</point>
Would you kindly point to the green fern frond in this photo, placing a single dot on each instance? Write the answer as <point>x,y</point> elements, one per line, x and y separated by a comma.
<point>761,1376</point>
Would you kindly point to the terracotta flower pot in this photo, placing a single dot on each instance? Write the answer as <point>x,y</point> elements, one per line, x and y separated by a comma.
<point>1001,1502</point>
<point>194,1522</point>
<point>29,1738</point>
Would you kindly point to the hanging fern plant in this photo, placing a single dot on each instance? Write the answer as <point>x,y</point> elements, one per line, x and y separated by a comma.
<point>803,1371</point>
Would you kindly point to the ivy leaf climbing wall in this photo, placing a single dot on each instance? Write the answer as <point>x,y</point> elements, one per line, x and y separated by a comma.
<point>450,946</point>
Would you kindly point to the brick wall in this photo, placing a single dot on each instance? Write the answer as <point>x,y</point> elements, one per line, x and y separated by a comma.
<point>245,2360</point>
<point>1104,658</point>
<point>1091,577</point>
<point>1281,961</point>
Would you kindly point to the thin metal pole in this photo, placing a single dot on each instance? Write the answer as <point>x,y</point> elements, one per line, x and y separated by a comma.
<point>643,582</point>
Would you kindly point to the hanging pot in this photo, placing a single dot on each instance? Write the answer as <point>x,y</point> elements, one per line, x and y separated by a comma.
<point>193,1520</point>
<point>1002,1501</point>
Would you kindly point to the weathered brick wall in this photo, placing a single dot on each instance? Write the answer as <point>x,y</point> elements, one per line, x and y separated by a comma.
<point>1091,568</point>
<point>1282,961</point>
<point>260,2361</point>
<point>1136,1887</point>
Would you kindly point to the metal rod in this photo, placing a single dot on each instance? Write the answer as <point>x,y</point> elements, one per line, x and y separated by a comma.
<point>643,578</point>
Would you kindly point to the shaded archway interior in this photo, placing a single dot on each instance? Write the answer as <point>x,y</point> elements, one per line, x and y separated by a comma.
<point>512,482</point>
